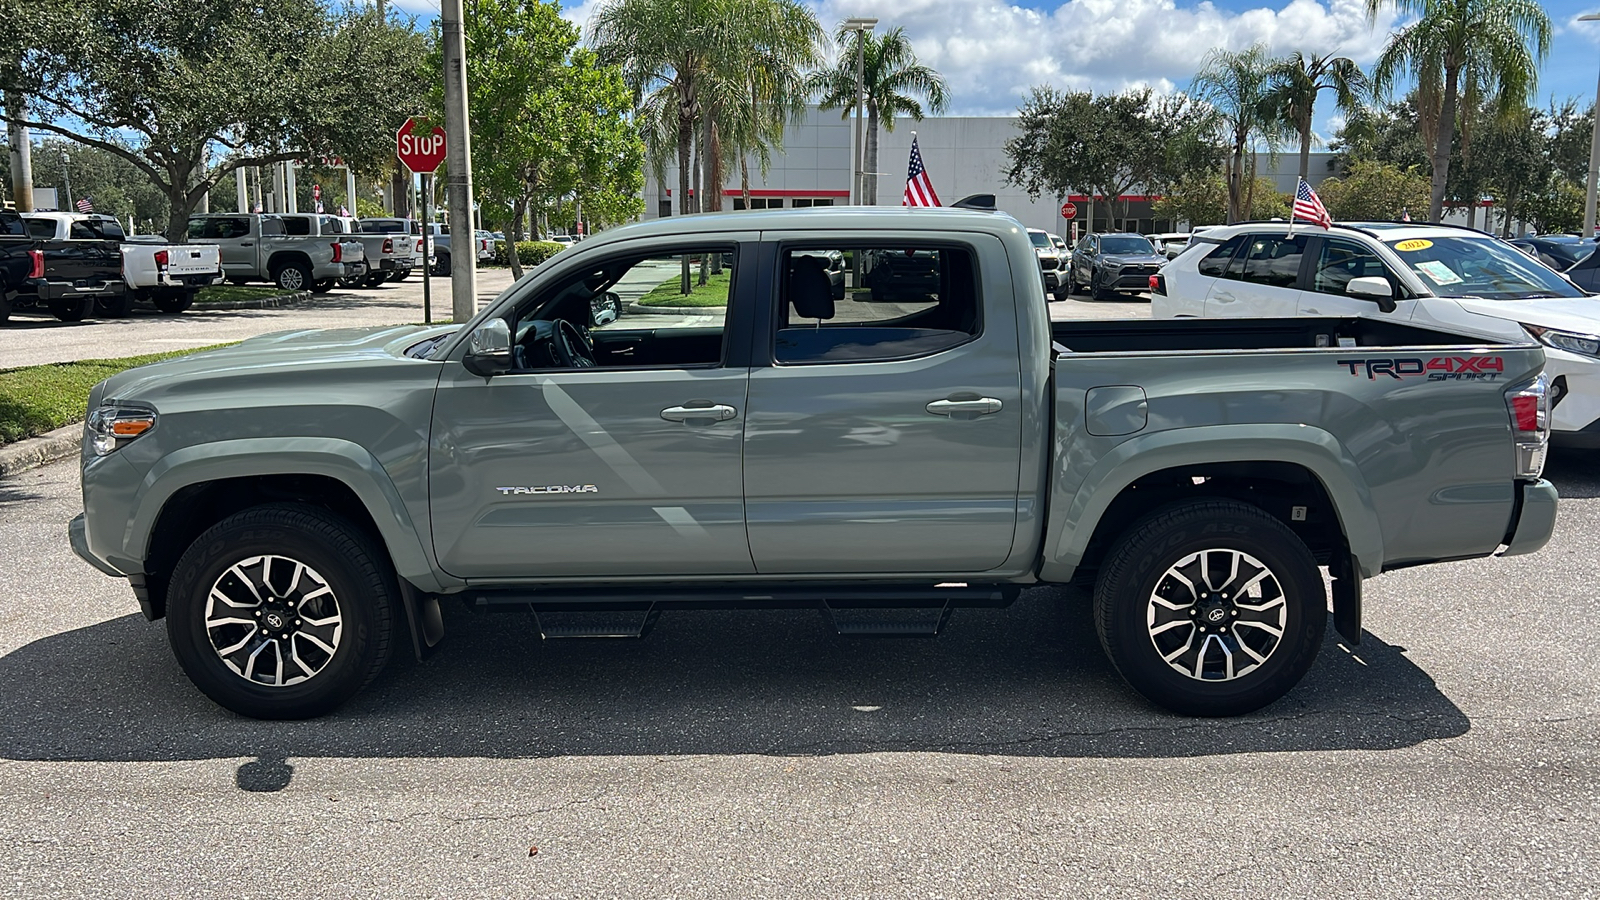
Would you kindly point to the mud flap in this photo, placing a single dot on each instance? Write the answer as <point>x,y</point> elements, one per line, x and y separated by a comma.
<point>1346,597</point>
<point>424,617</point>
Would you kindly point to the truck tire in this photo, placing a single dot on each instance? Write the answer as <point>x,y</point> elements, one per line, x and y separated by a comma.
<point>373,279</point>
<point>71,310</point>
<point>175,303</point>
<point>441,265</point>
<point>402,276</point>
<point>1210,608</point>
<point>5,305</point>
<point>292,276</point>
<point>324,285</point>
<point>114,307</point>
<point>302,569</point>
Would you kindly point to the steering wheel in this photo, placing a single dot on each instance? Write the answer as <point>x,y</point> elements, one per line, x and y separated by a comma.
<point>571,347</point>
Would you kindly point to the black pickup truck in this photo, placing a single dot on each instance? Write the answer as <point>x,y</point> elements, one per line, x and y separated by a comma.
<point>65,277</point>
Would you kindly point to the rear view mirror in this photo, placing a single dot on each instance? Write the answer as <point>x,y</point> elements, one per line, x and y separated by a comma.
<point>1373,288</point>
<point>489,349</point>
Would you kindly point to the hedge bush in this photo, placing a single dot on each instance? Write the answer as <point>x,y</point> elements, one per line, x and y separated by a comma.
<point>529,253</point>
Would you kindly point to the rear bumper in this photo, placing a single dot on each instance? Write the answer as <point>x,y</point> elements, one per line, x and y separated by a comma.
<point>1535,519</point>
<point>47,290</point>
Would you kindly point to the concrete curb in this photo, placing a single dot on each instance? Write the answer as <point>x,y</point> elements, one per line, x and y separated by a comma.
<point>707,311</point>
<point>274,302</point>
<point>31,453</point>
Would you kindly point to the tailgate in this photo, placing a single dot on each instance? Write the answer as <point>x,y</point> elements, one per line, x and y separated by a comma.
<point>82,262</point>
<point>193,259</point>
<point>1413,444</point>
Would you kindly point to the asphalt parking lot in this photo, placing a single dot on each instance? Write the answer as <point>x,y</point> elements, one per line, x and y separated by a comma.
<point>756,754</point>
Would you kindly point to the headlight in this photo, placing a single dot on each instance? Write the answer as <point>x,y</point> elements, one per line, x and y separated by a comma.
<point>112,426</point>
<point>1572,342</point>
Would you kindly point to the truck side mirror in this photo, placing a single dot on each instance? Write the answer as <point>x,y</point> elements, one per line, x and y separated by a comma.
<point>489,349</point>
<point>1373,288</point>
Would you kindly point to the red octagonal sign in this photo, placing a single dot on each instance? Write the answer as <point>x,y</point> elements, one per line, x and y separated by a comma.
<point>421,152</point>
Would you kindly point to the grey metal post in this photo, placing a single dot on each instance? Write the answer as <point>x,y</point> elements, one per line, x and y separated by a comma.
<point>458,159</point>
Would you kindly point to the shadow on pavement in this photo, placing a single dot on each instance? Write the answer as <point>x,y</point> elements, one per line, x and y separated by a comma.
<point>1575,473</point>
<point>1028,681</point>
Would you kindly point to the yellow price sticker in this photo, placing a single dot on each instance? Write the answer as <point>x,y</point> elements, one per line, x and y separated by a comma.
<point>1413,244</point>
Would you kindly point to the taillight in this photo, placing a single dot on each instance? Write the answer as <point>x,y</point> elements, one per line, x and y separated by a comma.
<point>1158,284</point>
<point>419,245</point>
<point>1529,405</point>
<point>36,270</point>
<point>388,246</point>
<point>338,251</point>
<point>161,259</point>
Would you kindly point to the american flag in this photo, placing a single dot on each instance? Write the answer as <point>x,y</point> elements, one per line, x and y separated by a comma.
<point>1308,206</point>
<point>84,206</point>
<point>919,187</point>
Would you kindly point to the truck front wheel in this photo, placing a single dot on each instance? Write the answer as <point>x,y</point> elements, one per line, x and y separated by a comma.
<point>1210,608</point>
<point>281,611</point>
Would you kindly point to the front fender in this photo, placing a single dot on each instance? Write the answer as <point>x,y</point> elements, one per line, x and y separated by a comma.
<point>345,461</point>
<point>1073,517</point>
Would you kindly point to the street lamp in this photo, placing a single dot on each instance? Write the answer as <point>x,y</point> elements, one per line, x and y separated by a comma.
<point>1594,153</point>
<point>861,26</point>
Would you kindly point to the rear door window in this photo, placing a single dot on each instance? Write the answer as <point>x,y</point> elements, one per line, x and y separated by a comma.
<point>1215,263</point>
<point>1270,260</point>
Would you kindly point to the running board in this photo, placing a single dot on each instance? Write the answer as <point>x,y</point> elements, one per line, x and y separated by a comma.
<point>876,621</point>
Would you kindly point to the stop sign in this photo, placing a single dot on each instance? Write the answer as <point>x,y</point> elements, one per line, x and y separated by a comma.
<point>1069,210</point>
<point>420,152</point>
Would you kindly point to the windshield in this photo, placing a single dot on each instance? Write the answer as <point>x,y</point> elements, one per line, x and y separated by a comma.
<point>1480,267</point>
<point>1039,239</point>
<point>1126,245</point>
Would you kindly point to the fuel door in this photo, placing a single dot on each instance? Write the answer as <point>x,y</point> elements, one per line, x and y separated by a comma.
<point>1115,410</point>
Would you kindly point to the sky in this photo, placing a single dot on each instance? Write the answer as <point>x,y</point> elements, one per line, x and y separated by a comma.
<point>991,53</point>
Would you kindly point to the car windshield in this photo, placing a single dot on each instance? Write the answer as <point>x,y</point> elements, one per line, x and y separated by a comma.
<point>1572,251</point>
<point>1480,267</point>
<point>1039,238</point>
<point>1129,246</point>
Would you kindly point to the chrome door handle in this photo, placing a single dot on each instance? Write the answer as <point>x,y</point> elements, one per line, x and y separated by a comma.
<point>715,412</point>
<point>965,408</point>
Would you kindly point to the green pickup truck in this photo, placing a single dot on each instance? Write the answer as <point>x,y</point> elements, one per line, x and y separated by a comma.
<point>749,435</point>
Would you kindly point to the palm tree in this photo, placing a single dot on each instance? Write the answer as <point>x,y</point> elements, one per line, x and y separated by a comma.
<point>1489,48</point>
<point>1297,79</point>
<point>892,79</point>
<point>1236,84</point>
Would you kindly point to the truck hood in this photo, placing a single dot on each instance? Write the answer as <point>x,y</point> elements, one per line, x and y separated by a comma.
<point>1576,314</point>
<point>267,355</point>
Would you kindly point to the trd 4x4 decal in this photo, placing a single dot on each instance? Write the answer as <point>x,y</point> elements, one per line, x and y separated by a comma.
<point>1439,368</point>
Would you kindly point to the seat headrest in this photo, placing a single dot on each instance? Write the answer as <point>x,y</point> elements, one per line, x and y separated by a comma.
<point>810,291</point>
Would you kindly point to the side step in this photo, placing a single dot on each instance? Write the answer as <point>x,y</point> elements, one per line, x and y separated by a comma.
<point>613,621</point>
<point>876,621</point>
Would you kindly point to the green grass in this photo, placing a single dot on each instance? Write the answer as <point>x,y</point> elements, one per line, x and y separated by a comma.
<point>227,293</point>
<point>36,399</point>
<point>713,293</point>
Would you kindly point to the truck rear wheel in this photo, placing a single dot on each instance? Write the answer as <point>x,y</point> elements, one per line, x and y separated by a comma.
<point>1210,608</point>
<point>282,611</point>
<point>116,307</point>
<point>71,310</point>
<point>174,302</point>
<point>292,276</point>
<point>441,265</point>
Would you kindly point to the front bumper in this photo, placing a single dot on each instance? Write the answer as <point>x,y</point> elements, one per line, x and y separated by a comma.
<point>78,533</point>
<point>1131,279</point>
<point>1535,518</point>
<point>1575,399</point>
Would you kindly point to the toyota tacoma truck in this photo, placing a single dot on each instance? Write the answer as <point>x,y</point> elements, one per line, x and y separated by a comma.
<point>298,504</point>
<point>295,252</point>
<point>167,275</point>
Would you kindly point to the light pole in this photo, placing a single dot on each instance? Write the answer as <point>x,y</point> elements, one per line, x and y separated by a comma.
<point>1594,154</point>
<point>857,134</point>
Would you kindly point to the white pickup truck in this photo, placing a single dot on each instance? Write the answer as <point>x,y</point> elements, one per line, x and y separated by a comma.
<point>167,275</point>
<point>390,255</point>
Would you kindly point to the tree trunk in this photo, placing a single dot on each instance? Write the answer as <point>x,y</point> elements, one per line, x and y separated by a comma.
<point>1472,214</point>
<point>711,192</point>
<point>1235,181</point>
<point>1249,210</point>
<point>1305,148</point>
<point>744,180</point>
<point>1441,147</point>
<point>871,175</point>
<point>518,207</point>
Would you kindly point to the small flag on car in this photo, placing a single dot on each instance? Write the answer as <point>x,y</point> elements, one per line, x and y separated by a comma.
<point>1308,206</point>
<point>919,187</point>
<point>85,206</point>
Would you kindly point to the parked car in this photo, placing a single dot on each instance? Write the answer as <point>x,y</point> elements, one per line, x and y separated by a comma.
<point>804,452</point>
<point>1170,244</point>
<point>1585,273</point>
<point>386,254</point>
<point>1050,262</point>
<point>439,245</point>
<point>167,275</point>
<point>66,276</point>
<point>1558,251</point>
<point>408,249</point>
<point>1434,276</point>
<point>1063,249</point>
<point>290,251</point>
<point>485,244</point>
<point>1108,263</point>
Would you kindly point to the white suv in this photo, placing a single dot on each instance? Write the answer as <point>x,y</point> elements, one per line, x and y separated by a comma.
<point>1452,278</point>
<point>1050,263</point>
